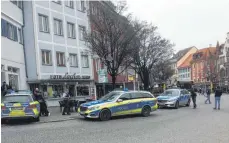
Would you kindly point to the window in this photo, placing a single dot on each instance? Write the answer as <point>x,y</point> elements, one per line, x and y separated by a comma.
<point>69,3</point>
<point>9,30</point>
<point>57,1</point>
<point>85,62</point>
<point>73,60</point>
<point>71,30</point>
<point>46,57</point>
<point>58,27</point>
<point>60,58</point>
<point>43,23</point>
<point>82,32</point>
<point>125,96</point>
<point>20,36</point>
<point>17,3</point>
<point>82,6</point>
<point>138,95</point>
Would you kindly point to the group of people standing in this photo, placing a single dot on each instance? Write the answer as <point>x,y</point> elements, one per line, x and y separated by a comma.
<point>218,94</point>
<point>6,89</point>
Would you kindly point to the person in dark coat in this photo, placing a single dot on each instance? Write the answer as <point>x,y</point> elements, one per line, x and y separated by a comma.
<point>218,93</point>
<point>193,96</point>
<point>41,100</point>
<point>66,101</point>
<point>4,88</point>
<point>208,96</point>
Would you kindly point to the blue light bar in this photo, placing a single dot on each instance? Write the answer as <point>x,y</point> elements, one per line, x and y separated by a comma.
<point>125,89</point>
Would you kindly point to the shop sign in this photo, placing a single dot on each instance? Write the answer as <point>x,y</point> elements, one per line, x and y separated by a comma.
<point>67,76</point>
<point>102,73</point>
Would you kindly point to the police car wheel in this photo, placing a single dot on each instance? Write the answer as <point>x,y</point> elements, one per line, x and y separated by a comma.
<point>105,115</point>
<point>146,111</point>
<point>37,119</point>
<point>177,105</point>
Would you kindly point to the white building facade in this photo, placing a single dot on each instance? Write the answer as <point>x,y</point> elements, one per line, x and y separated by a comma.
<point>57,55</point>
<point>13,69</point>
<point>223,63</point>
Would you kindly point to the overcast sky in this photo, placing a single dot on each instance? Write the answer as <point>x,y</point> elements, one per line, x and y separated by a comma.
<point>186,22</point>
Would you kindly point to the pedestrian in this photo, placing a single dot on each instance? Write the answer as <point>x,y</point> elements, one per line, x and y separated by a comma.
<point>193,95</point>
<point>41,100</point>
<point>208,96</point>
<point>66,97</point>
<point>4,88</point>
<point>218,94</point>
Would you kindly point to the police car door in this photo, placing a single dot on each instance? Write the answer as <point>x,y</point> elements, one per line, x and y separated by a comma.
<point>182,97</point>
<point>123,107</point>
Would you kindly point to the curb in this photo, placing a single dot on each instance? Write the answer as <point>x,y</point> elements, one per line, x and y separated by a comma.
<point>53,121</point>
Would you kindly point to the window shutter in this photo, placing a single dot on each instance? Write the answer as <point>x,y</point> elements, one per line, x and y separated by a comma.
<point>15,33</point>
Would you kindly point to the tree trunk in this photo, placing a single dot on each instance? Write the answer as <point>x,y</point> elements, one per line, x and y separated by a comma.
<point>146,80</point>
<point>113,81</point>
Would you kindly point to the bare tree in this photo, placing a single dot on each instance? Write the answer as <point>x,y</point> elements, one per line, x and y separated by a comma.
<point>111,36</point>
<point>152,50</point>
<point>162,72</point>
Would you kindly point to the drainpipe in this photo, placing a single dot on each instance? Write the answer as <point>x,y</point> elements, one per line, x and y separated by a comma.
<point>26,73</point>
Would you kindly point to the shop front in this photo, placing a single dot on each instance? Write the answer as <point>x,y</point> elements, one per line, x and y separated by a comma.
<point>77,86</point>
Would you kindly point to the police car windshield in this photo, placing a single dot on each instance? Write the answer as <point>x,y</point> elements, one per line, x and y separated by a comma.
<point>110,96</point>
<point>171,92</point>
<point>17,99</point>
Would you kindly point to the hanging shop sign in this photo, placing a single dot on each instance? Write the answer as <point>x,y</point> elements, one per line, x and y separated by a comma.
<point>67,76</point>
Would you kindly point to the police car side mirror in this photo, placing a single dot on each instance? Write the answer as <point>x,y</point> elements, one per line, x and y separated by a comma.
<point>119,100</point>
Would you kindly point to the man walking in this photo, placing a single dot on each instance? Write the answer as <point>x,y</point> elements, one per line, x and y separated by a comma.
<point>218,94</point>
<point>193,95</point>
<point>208,96</point>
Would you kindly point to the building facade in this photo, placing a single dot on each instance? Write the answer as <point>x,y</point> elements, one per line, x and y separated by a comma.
<point>223,63</point>
<point>12,46</point>
<point>57,56</point>
<point>204,66</point>
<point>179,63</point>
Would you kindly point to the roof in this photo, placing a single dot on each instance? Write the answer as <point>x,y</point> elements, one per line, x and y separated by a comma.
<point>187,62</point>
<point>206,52</point>
<point>181,53</point>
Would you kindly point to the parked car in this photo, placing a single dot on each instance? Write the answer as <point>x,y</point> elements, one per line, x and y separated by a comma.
<point>174,98</point>
<point>118,103</point>
<point>20,105</point>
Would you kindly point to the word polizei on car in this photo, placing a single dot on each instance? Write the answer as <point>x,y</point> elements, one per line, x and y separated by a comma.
<point>118,103</point>
<point>20,105</point>
<point>174,98</point>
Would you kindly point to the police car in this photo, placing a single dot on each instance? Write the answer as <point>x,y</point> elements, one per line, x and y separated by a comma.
<point>174,98</point>
<point>20,105</point>
<point>118,103</point>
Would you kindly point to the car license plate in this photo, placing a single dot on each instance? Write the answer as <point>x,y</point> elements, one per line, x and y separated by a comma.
<point>16,108</point>
<point>160,103</point>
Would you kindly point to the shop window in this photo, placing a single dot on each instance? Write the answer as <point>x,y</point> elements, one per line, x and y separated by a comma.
<point>82,91</point>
